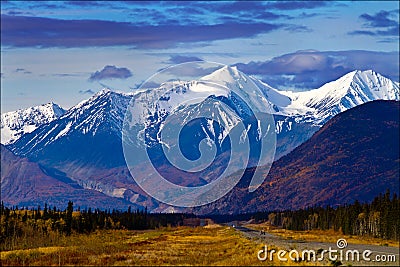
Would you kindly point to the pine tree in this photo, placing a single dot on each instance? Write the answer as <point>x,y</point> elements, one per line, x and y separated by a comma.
<point>68,218</point>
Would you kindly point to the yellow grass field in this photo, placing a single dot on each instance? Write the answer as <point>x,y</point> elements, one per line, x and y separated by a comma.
<point>215,245</point>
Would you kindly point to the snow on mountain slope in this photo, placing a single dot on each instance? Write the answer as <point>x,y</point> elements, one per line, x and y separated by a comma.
<point>16,123</point>
<point>105,106</point>
<point>88,136</point>
<point>353,89</point>
<point>299,114</point>
<point>156,104</point>
<point>310,109</point>
<point>244,86</point>
<point>228,76</point>
<point>282,101</point>
<point>102,112</point>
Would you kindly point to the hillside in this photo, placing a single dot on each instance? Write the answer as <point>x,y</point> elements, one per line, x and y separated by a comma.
<point>355,156</point>
<point>25,183</point>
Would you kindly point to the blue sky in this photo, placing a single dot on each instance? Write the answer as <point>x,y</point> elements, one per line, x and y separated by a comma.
<point>65,51</point>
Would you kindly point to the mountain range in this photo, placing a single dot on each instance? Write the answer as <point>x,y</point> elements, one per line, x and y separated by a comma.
<point>354,156</point>
<point>83,144</point>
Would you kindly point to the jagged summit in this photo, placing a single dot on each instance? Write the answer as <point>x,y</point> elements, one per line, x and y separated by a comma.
<point>228,76</point>
<point>225,73</point>
<point>14,124</point>
<point>92,127</point>
<point>353,89</point>
<point>104,111</point>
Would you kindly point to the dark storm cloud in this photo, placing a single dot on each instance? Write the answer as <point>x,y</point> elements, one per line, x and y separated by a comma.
<point>23,31</point>
<point>311,69</point>
<point>110,72</point>
<point>177,59</point>
<point>383,23</point>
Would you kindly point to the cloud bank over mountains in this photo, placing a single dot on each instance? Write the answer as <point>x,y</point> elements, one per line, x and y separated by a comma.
<point>311,69</point>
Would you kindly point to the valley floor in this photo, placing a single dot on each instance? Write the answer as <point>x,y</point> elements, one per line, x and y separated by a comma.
<point>209,245</point>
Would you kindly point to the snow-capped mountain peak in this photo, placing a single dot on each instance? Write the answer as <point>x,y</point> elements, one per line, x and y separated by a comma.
<point>227,76</point>
<point>353,89</point>
<point>16,123</point>
<point>106,106</point>
<point>379,85</point>
<point>102,113</point>
<point>226,73</point>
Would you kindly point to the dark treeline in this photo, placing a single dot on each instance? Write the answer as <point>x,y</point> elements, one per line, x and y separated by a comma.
<point>380,218</point>
<point>52,223</point>
<point>24,228</point>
